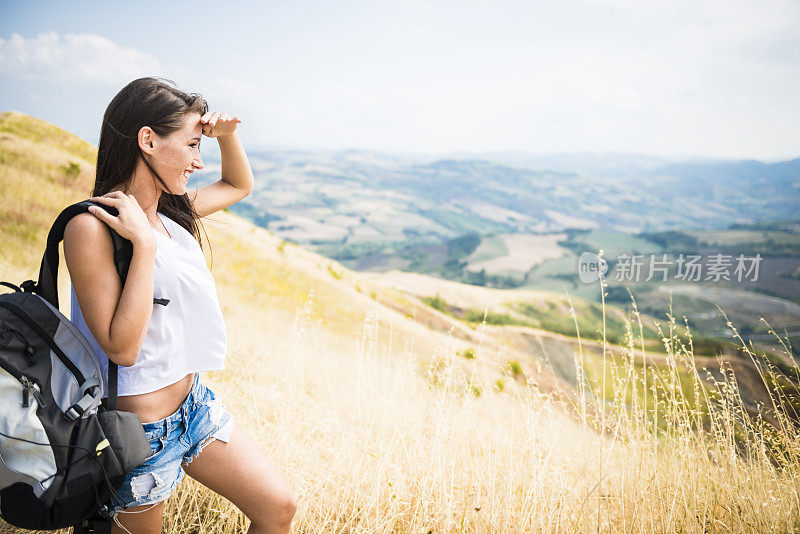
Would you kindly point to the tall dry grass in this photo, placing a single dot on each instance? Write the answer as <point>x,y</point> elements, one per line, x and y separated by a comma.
<point>373,440</point>
<point>377,432</point>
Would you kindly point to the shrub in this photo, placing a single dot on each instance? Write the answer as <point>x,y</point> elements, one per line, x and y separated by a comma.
<point>435,302</point>
<point>468,353</point>
<point>515,368</point>
<point>336,274</point>
<point>72,169</point>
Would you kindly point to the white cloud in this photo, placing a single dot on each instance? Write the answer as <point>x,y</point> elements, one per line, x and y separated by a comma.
<point>708,77</point>
<point>79,58</point>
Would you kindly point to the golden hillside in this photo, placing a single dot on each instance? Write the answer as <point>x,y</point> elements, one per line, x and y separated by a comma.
<point>388,415</point>
<point>45,169</point>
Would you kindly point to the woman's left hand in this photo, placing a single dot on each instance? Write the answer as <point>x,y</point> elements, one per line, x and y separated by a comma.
<point>217,124</point>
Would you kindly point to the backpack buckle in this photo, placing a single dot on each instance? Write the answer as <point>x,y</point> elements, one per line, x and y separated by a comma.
<point>75,411</point>
<point>73,414</point>
<point>29,286</point>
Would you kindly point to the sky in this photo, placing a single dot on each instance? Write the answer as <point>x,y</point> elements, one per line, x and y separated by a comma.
<point>672,78</point>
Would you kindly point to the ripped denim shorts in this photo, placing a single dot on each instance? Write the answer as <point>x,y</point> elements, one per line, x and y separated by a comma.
<point>176,439</point>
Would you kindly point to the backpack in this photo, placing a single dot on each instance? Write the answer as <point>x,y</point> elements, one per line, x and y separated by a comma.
<point>62,453</point>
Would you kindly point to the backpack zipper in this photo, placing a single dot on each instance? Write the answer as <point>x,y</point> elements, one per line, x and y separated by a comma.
<point>30,355</point>
<point>33,387</point>
<point>19,312</point>
<point>29,385</point>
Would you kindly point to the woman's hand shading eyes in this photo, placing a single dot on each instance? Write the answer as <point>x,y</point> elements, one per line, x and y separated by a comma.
<point>217,124</point>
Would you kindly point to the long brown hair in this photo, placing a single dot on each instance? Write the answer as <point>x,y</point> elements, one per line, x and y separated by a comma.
<point>153,102</point>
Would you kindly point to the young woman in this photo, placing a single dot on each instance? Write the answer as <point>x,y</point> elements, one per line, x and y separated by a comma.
<point>149,145</point>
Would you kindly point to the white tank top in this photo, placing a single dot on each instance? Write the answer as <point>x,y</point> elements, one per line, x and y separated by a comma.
<point>188,334</point>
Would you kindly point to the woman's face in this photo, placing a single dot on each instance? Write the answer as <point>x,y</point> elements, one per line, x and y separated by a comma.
<point>178,154</point>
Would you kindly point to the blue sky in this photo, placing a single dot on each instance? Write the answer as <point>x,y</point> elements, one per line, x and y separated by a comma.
<point>679,78</point>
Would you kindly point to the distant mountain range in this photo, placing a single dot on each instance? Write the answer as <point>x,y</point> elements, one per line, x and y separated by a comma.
<point>367,199</point>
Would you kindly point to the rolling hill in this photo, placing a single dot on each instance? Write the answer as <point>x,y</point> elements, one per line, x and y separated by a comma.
<point>401,402</point>
<point>352,203</point>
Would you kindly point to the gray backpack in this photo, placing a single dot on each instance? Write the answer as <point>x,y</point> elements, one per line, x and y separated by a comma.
<point>62,453</point>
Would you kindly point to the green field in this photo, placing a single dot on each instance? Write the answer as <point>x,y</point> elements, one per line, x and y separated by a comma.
<point>614,243</point>
<point>490,247</point>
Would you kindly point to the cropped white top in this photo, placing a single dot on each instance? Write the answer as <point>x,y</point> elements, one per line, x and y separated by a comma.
<point>187,334</point>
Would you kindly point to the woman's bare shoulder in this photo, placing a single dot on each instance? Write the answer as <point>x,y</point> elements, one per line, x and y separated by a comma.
<point>84,225</point>
<point>87,236</point>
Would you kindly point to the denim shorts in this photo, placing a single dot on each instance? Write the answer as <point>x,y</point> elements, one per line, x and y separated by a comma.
<point>175,439</point>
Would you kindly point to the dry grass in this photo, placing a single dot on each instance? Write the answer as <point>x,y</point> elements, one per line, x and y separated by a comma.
<point>371,445</point>
<point>35,176</point>
<point>372,440</point>
<point>380,427</point>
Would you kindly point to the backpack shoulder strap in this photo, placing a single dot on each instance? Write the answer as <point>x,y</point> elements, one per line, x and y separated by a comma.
<point>47,286</point>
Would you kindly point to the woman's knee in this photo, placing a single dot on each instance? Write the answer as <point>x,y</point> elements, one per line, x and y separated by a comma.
<point>287,506</point>
<point>279,511</point>
<point>274,510</point>
<point>290,504</point>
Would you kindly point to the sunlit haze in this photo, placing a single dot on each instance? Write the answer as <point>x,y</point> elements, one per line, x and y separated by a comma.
<point>713,79</point>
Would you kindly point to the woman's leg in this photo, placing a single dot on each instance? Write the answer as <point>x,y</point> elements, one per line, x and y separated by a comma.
<point>240,472</point>
<point>147,521</point>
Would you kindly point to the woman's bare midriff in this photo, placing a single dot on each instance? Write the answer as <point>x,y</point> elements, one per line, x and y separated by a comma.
<point>157,404</point>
